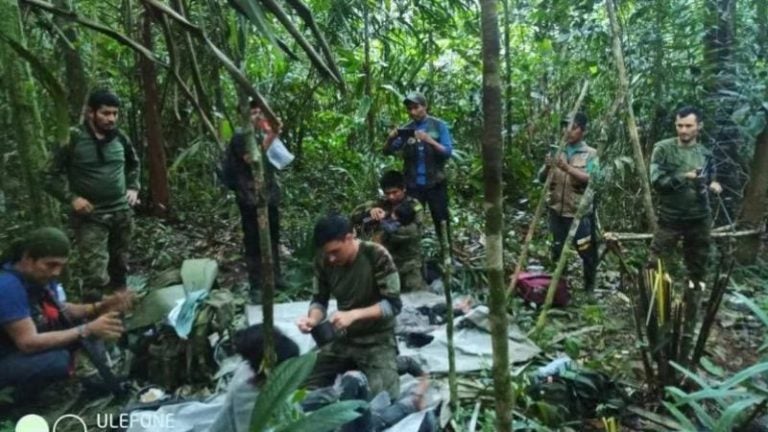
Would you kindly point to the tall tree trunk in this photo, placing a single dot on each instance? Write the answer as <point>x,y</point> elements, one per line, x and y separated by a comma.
<point>753,211</point>
<point>493,151</point>
<point>626,93</point>
<point>720,85</point>
<point>25,115</point>
<point>265,241</point>
<point>507,74</point>
<point>77,80</point>
<point>761,17</point>
<point>159,193</point>
<point>657,128</point>
<point>368,85</point>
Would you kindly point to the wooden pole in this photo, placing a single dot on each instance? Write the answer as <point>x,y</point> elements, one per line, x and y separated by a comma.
<point>522,259</point>
<point>584,206</point>
<point>447,278</point>
<point>626,95</point>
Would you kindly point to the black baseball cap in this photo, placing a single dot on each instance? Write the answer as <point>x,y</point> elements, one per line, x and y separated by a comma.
<point>580,120</point>
<point>415,98</point>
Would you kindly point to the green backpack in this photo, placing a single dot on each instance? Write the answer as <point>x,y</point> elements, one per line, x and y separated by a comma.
<point>580,394</point>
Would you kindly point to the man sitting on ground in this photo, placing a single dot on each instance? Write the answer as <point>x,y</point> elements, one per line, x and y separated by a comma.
<point>35,347</point>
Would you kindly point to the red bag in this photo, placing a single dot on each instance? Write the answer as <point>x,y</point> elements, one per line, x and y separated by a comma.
<point>532,287</point>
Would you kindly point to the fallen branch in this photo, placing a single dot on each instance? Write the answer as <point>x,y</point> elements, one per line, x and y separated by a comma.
<point>715,233</point>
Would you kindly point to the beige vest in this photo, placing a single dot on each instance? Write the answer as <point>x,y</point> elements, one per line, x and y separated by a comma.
<point>565,192</point>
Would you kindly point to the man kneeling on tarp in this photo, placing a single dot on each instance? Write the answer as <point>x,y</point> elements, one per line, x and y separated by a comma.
<point>363,278</point>
<point>36,347</point>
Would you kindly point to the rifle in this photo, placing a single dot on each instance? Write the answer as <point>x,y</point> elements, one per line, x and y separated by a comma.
<point>91,349</point>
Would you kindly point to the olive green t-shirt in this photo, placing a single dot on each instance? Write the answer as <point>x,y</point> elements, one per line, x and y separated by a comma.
<point>369,279</point>
<point>99,171</point>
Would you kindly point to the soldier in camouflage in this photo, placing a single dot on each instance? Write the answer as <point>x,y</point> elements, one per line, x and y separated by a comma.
<point>681,174</point>
<point>97,174</point>
<point>362,277</point>
<point>400,235</point>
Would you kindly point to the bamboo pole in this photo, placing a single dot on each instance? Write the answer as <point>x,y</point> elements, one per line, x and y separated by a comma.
<point>447,278</point>
<point>523,258</point>
<point>584,205</point>
<point>631,122</point>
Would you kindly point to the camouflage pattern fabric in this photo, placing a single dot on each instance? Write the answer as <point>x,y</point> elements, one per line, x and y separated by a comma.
<point>371,278</point>
<point>696,245</point>
<point>103,241</point>
<point>377,360</point>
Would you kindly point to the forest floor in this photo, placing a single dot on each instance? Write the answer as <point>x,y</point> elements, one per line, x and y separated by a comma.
<point>596,330</point>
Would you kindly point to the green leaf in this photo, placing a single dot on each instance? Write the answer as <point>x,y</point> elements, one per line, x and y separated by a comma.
<point>256,16</point>
<point>680,417</point>
<point>712,368</point>
<point>759,312</point>
<point>728,420</point>
<point>285,379</point>
<point>695,378</point>
<point>327,418</point>
<point>746,374</point>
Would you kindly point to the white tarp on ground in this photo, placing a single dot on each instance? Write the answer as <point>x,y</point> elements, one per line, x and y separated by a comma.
<point>472,339</point>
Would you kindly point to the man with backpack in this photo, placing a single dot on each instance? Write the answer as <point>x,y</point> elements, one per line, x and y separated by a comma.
<point>237,175</point>
<point>426,145</point>
<point>97,174</point>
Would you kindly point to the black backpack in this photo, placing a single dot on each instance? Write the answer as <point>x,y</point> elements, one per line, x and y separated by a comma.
<point>226,170</point>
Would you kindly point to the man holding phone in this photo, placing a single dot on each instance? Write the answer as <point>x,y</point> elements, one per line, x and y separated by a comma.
<point>426,146</point>
<point>571,171</point>
<point>682,176</point>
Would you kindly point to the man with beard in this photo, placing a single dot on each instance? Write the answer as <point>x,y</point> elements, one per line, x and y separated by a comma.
<point>35,347</point>
<point>426,145</point>
<point>97,175</point>
<point>681,173</point>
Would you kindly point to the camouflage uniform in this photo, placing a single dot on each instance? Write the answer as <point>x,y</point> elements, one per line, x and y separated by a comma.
<point>367,346</point>
<point>682,205</point>
<point>100,171</point>
<point>404,244</point>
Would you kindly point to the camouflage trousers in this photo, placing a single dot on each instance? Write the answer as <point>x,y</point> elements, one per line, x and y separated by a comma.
<point>103,241</point>
<point>411,278</point>
<point>696,245</point>
<point>377,360</point>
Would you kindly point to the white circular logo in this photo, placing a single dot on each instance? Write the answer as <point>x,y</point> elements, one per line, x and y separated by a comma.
<point>72,416</point>
<point>32,423</point>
